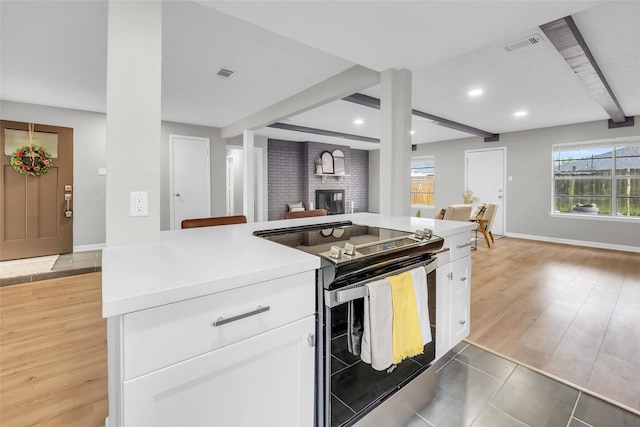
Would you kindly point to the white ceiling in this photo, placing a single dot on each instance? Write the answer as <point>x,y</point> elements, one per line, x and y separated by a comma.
<point>55,53</point>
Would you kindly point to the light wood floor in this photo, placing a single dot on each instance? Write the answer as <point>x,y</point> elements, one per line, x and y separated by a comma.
<point>570,311</point>
<point>53,354</point>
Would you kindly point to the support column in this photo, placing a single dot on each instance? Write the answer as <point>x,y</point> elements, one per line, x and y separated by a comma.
<point>395,142</point>
<point>134,64</point>
<point>249,175</point>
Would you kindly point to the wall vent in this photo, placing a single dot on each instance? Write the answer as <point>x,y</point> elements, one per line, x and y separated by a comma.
<point>519,44</point>
<point>224,72</point>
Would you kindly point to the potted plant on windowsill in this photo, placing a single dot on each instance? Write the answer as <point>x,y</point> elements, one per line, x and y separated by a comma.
<point>586,208</point>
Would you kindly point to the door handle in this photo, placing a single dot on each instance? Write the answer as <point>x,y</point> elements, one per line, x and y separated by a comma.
<point>177,194</point>
<point>68,213</point>
<point>222,321</point>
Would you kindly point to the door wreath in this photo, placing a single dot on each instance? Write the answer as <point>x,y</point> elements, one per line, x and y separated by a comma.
<point>31,159</point>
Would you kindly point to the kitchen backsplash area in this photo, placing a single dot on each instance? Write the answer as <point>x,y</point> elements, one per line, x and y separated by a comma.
<point>292,176</point>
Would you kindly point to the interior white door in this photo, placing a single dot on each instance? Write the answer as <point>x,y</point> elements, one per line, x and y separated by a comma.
<point>190,179</point>
<point>485,176</point>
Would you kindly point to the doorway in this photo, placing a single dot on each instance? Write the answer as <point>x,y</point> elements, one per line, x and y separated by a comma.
<point>36,215</point>
<point>235,178</point>
<point>190,178</point>
<point>485,176</point>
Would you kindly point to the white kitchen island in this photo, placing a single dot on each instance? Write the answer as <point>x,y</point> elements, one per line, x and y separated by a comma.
<point>216,324</point>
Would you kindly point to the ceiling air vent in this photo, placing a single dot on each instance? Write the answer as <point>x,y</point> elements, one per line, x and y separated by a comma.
<point>224,72</point>
<point>529,41</point>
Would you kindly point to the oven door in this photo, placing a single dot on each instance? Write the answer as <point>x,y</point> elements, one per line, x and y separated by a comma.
<point>348,388</point>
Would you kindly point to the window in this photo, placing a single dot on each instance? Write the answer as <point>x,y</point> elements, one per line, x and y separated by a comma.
<point>422,181</point>
<point>597,178</point>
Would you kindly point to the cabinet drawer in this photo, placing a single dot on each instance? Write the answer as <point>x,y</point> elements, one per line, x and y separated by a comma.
<point>266,380</point>
<point>461,280</point>
<point>460,322</point>
<point>165,335</point>
<point>459,245</point>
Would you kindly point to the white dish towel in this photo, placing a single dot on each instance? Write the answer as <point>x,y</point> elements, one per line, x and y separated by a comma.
<point>377,344</point>
<point>421,291</point>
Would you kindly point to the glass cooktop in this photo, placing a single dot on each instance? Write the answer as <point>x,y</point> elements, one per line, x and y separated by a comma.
<point>344,241</point>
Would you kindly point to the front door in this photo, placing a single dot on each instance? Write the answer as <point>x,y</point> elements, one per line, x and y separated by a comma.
<point>36,218</point>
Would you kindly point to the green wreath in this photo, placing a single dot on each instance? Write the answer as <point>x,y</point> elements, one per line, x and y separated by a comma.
<point>31,160</point>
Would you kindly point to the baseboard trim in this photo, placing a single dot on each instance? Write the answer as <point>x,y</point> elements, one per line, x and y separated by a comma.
<point>86,248</point>
<point>588,244</point>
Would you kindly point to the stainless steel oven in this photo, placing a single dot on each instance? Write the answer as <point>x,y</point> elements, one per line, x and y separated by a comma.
<point>349,391</point>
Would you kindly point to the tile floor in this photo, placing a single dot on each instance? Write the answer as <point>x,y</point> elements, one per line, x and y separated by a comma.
<point>479,389</point>
<point>66,265</point>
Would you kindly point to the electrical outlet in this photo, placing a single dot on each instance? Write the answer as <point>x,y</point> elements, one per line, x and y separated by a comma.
<point>139,203</point>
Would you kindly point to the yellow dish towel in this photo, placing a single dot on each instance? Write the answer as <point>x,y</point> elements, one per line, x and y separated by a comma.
<point>407,336</point>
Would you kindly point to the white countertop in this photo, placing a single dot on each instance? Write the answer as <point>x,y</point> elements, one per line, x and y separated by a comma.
<point>191,263</point>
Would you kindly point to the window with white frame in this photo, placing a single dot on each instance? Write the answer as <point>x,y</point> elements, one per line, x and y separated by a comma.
<point>598,178</point>
<point>422,181</point>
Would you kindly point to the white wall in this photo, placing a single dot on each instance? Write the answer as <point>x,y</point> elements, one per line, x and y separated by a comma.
<point>529,193</point>
<point>89,150</point>
<point>374,181</point>
<point>218,153</point>
<point>528,162</point>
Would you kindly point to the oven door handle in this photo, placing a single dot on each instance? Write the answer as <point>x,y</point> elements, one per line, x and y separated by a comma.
<point>385,264</point>
<point>359,290</point>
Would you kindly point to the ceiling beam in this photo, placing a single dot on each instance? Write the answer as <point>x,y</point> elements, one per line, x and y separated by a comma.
<point>323,132</point>
<point>372,102</point>
<point>351,80</point>
<point>566,38</point>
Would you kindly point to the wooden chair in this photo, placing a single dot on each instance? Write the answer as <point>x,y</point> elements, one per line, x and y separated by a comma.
<point>212,221</point>
<point>305,214</point>
<point>485,222</point>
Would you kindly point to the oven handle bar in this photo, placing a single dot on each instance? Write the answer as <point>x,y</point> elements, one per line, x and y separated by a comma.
<point>359,290</point>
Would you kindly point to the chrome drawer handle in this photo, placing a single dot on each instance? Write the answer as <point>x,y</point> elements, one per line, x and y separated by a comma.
<point>463,246</point>
<point>221,320</point>
<point>462,322</point>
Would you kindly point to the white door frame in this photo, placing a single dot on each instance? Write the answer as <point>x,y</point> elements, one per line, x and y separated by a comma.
<point>259,193</point>
<point>503,203</point>
<point>259,177</point>
<point>172,139</point>
<point>229,187</point>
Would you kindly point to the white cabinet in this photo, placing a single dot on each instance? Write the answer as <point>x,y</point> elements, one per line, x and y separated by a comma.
<point>266,380</point>
<point>453,281</point>
<point>243,357</point>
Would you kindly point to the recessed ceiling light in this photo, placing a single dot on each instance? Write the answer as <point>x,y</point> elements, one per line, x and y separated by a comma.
<point>358,121</point>
<point>520,113</point>
<point>475,92</point>
<point>413,132</point>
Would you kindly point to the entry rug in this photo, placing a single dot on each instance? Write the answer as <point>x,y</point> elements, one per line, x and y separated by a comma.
<point>27,266</point>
